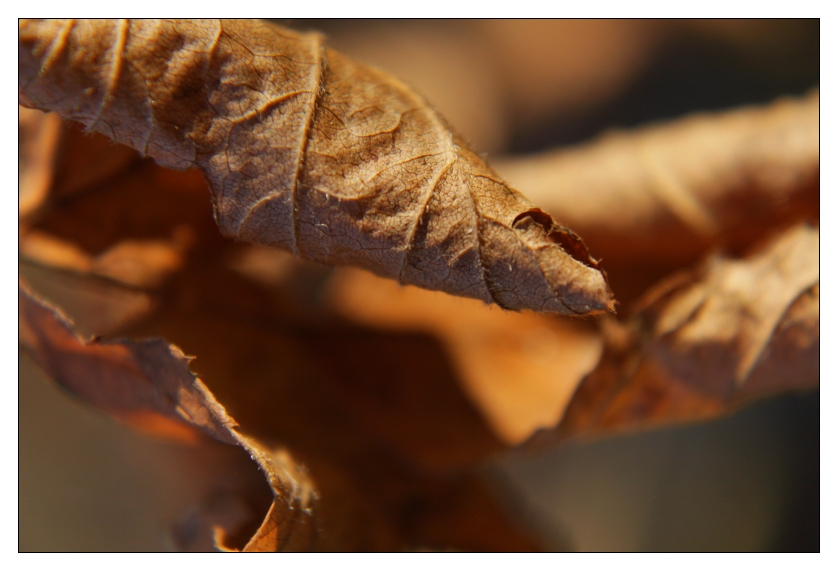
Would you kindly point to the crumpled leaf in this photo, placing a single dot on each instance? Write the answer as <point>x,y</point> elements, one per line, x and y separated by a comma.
<point>652,200</point>
<point>295,378</point>
<point>393,436</point>
<point>387,474</point>
<point>148,385</point>
<point>308,151</point>
<point>708,342</point>
<point>386,441</point>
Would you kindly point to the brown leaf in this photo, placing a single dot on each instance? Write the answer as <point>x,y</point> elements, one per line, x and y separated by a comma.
<point>656,199</point>
<point>299,380</point>
<point>148,385</point>
<point>368,400</point>
<point>387,473</point>
<point>137,227</point>
<point>86,160</point>
<point>379,461</point>
<point>308,151</point>
<point>454,69</point>
<point>97,306</point>
<point>388,437</point>
<point>709,342</point>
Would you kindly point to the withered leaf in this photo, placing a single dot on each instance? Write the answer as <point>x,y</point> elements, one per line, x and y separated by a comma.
<point>308,151</point>
<point>96,306</point>
<point>653,200</point>
<point>388,474</point>
<point>136,227</point>
<point>706,342</point>
<point>386,441</point>
<point>148,385</point>
<point>57,160</point>
<point>709,341</point>
<point>389,441</point>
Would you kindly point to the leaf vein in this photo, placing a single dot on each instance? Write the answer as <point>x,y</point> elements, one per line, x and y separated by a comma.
<point>116,70</point>
<point>320,89</point>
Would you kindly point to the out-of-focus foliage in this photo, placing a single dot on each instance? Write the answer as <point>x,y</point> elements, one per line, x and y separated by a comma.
<point>367,405</point>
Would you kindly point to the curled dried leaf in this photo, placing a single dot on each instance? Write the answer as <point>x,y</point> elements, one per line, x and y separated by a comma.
<point>378,418</point>
<point>148,385</point>
<point>708,342</point>
<point>388,474</point>
<point>652,200</point>
<point>308,151</point>
<point>705,342</point>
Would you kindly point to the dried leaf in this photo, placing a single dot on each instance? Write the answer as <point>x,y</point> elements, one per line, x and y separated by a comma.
<point>709,342</point>
<point>653,200</point>
<point>455,69</point>
<point>148,385</point>
<point>308,151</point>
<point>57,160</point>
<point>144,203</point>
<point>381,465</point>
<point>374,416</point>
<point>390,436</point>
<point>86,160</point>
<point>52,251</point>
<point>138,228</point>
<point>379,461</point>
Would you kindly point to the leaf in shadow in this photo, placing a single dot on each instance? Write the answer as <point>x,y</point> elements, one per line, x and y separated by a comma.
<point>375,417</point>
<point>704,343</point>
<point>378,420</point>
<point>148,385</point>
<point>519,369</point>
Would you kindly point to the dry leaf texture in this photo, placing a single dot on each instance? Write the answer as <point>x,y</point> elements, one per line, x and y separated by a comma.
<point>710,341</point>
<point>519,371</point>
<point>308,151</point>
<point>652,200</point>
